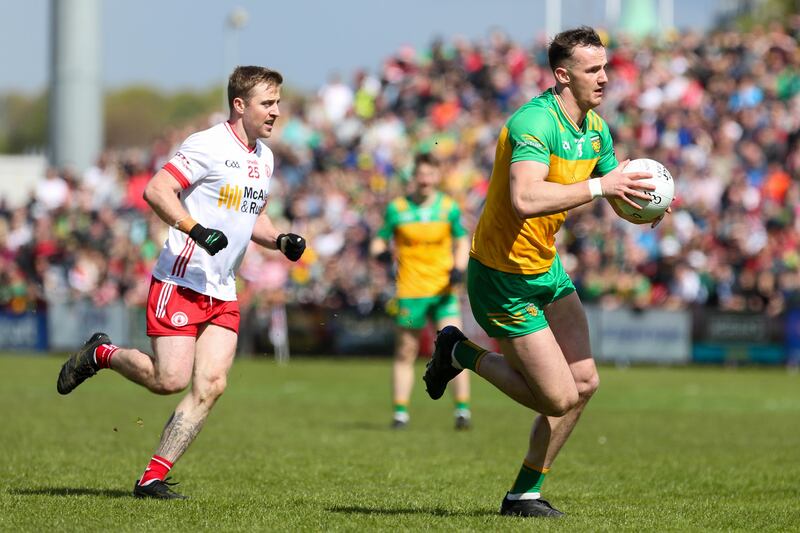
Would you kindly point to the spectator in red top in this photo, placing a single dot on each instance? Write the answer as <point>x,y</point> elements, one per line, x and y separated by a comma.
<point>136,182</point>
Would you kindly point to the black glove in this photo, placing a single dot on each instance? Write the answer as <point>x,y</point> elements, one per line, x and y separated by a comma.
<point>384,257</point>
<point>210,240</point>
<point>456,276</point>
<point>291,245</point>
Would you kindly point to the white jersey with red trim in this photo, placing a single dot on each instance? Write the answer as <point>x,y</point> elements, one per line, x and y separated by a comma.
<point>225,186</point>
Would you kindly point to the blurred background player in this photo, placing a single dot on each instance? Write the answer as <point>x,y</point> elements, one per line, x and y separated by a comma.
<point>518,289</point>
<point>432,249</point>
<point>212,193</point>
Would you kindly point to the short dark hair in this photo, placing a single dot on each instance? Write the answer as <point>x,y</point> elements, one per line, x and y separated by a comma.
<point>425,158</point>
<point>563,44</point>
<point>243,79</point>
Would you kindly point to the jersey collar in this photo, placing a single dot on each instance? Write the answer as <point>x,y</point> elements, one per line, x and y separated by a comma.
<point>434,201</point>
<point>562,108</point>
<point>239,141</point>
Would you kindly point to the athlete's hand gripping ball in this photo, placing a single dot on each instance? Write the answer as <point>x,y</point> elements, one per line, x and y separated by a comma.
<point>291,245</point>
<point>210,240</point>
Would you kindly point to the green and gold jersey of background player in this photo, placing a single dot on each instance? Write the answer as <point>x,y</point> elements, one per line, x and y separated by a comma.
<point>541,130</point>
<point>423,241</point>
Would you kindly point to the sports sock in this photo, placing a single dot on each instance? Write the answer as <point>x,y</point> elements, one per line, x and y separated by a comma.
<point>401,411</point>
<point>462,407</point>
<point>103,353</point>
<point>528,483</point>
<point>467,354</point>
<point>158,468</point>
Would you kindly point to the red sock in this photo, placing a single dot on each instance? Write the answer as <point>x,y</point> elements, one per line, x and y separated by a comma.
<point>158,468</point>
<point>103,353</point>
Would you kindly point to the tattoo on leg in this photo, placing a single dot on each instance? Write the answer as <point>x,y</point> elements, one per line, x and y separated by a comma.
<point>178,434</point>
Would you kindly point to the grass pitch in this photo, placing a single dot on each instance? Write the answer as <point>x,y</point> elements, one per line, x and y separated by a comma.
<point>307,447</point>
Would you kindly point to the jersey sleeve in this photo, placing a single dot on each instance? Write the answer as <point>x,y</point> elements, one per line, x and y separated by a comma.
<point>389,222</point>
<point>608,158</point>
<point>457,229</point>
<point>269,165</point>
<point>190,163</point>
<point>529,133</point>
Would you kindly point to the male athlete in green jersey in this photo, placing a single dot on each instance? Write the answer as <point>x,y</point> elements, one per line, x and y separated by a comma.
<point>518,289</point>
<point>432,250</point>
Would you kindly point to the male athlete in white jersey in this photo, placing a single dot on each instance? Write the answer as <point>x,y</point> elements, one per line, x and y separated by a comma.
<point>212,193</point>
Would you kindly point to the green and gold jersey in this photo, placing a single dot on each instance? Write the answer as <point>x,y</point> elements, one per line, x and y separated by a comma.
<point>541,130</point>
<point>423,240</point>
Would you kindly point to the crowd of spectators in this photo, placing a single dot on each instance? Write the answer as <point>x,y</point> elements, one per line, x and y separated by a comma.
<point>720,110</point>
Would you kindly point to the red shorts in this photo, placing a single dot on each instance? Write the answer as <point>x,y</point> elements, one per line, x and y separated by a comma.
<point>175,311</point>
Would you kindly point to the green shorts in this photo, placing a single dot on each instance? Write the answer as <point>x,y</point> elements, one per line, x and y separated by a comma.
<point>413,313</point>
<point>510,305</point>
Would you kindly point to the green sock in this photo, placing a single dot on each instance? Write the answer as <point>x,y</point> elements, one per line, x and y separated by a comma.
<point>529,480</point>
<point>462,406</point>
<point>468,355</point>
<point>401,412</point>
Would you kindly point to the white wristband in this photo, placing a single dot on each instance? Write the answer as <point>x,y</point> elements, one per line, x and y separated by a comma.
<point>595,188</point>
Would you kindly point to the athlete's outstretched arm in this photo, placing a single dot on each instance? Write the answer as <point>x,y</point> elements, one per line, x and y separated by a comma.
<point>461,253</point>
<point>378,246</point>
<point>379,249</point>
<point>161,194</point>
<point>289,244</point>
<point>264,233</point>
<point>532,196</point>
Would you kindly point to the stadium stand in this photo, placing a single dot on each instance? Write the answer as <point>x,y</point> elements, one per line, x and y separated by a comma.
<point>721,111</point>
